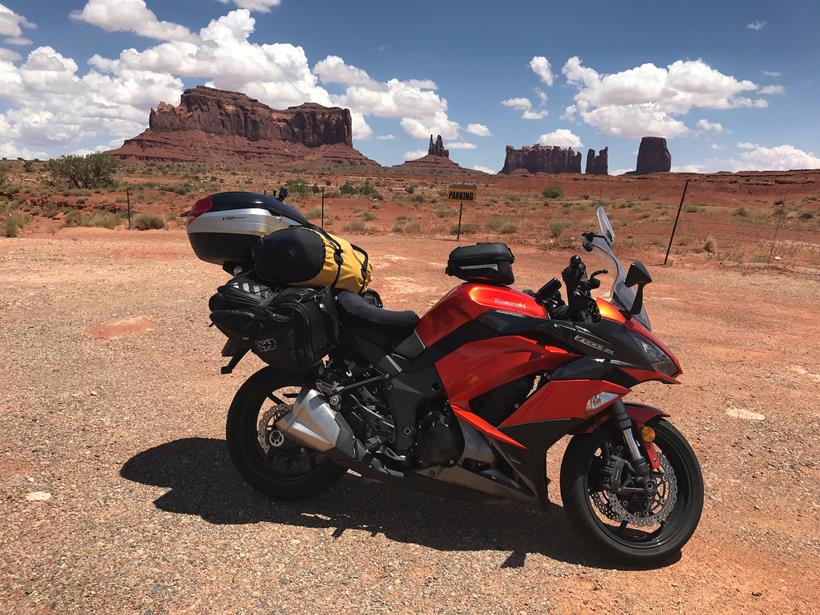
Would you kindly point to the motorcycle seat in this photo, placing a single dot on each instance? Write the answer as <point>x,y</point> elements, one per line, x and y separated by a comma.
<point>355,308</point>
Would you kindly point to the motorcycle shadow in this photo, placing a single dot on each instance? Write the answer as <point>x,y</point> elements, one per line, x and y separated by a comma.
<point>202,481</point>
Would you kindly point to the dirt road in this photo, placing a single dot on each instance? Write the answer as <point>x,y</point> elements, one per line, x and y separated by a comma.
<point>118,495</point>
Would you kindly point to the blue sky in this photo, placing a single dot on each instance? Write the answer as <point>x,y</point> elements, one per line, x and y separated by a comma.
<point>733,85</point>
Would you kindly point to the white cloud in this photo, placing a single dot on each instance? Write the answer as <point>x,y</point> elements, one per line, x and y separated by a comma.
<point>423,84</point>
<point>359,126</point>
<point>561,137</point>
<point>772,89</point>
<point>460,145</point>
<point>12,26</point>
<point>772,73</point>
<point>479,130</point>
<point>717,146</point>
<point>778,158</point>
<point>525,106</point>
<point>756,25</point>
<point>8,55</point>
<point>487,170</point>
<point>415,154</point>
<point>521,104</point>
<point>333,69</point>
<point>388,137</point>
<point>263,6</point>
<point>130,16</point>
<point>542,96</point>
<point>52,107</point>
<point>541,67</point>
<point>645,99</point>
<point>706,125</point>
<point>688,168</point>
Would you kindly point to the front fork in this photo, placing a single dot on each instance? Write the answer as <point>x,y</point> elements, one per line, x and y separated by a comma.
<point>639,462</point>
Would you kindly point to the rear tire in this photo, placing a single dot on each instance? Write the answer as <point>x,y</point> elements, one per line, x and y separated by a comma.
<point>631,546</point>
<point>253,462</point>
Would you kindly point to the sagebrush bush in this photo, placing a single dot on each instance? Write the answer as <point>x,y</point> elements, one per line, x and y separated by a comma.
<point>552,192</point>
<point>557,227</point>
<point>146,221</point>
<point>403,224</point>
<point>355,226</point>
<point>466,229</point>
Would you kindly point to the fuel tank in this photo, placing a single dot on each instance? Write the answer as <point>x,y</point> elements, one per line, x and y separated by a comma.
<point>469,301</point>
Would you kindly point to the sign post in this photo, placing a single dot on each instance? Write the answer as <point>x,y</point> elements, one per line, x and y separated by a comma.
<point>460,193</point>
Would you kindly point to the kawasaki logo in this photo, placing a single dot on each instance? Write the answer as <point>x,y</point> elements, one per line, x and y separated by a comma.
<point>509,303</point>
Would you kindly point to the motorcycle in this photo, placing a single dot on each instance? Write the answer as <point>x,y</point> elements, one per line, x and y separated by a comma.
<point>466,400</point>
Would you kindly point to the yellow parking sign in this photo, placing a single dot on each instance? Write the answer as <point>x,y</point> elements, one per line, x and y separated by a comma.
<point>462,193</point>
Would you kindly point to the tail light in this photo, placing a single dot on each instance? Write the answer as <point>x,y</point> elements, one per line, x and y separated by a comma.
<point>202,206</point>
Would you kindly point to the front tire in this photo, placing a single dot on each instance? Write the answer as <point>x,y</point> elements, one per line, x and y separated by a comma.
<point>275,467</point>
<point>581,484</point>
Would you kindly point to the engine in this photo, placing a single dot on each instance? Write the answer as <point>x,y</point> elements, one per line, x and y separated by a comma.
<point>439,440</point>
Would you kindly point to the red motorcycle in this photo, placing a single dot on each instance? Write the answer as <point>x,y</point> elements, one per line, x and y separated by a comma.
<point>466,400</point>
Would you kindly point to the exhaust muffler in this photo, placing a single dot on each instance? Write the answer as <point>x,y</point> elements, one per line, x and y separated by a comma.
<point>314,424</point>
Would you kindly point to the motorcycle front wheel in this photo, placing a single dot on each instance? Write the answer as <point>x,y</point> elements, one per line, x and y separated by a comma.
<point>635,528</point>
<point>270,463</point>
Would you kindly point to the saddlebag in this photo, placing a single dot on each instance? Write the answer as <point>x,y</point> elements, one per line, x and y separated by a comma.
<point>488,263</point>
<point>291,329</point>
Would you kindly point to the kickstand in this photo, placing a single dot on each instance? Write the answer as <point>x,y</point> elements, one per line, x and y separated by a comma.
<point>234,361</point>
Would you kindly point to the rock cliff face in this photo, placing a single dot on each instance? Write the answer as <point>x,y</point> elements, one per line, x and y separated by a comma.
<point>437,148</point>
<point>598,165</point>
<point>211,124</point>
<point>542,159</point>
<point>653,156</point>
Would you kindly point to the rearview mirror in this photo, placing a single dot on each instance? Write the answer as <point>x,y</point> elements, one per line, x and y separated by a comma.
<point>637,275</point>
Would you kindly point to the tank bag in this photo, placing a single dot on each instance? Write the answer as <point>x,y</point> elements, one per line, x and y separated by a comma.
<point>310,256</point>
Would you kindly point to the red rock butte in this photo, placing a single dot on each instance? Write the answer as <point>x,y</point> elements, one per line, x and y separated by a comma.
<point>211,125</point>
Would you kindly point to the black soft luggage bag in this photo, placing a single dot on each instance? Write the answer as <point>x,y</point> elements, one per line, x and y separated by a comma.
<point>291,329</point>
<point>489,263</point>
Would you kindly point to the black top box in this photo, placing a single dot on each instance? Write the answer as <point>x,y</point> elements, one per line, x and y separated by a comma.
<point>489,263</point>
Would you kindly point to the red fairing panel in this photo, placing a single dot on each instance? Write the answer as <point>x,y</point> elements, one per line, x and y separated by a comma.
<point>469,301</point>
<point>562,399</point>
<point>478,367</point>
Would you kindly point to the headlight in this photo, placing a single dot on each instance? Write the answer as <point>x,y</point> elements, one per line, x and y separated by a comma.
<point>657,357</point>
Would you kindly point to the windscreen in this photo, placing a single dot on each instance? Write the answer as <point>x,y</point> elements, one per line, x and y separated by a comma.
<point>618,293</point>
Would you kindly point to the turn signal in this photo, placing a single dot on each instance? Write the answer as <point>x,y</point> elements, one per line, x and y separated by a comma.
<point>648,434</point>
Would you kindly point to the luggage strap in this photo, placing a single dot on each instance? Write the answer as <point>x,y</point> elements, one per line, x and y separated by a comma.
<point>364,266</point>
<point>337,250</point>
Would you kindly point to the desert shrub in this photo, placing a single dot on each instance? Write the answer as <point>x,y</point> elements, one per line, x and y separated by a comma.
<point>146,221</point>
<point>466,229</point>
<point>91,171</point>
<point>410,189</point>
<point>355,226</point>
<point>806,215</point>
<point>742,212</point>
<point>375,206</point>
<point>13,223</point>
<point>584,197</point>
<point>710,245</point>
<point>557,227</point>
<point>779,202</point>
<point>4,174</point>
<point>446,212</point>
<point>28,166</point>
<point>417,198</point>
<point>101,218</point>
<point>403,224</point>
<point>297,187</point>
<point>502,226</point>
<point>552,192</point>
<point>367,216</point>
<point>347,188</point>
<point>683,240</point>
<point>366,189</point>
<point>314,213</point>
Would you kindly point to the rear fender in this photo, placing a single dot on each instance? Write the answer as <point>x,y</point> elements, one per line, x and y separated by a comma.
<point>640,414</point>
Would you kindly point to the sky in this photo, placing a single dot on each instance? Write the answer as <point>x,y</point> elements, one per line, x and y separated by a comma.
<point>732,85</point>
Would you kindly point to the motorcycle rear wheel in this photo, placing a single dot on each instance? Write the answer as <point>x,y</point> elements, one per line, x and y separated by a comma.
<point>284,471</point>
<point>633,545</point>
